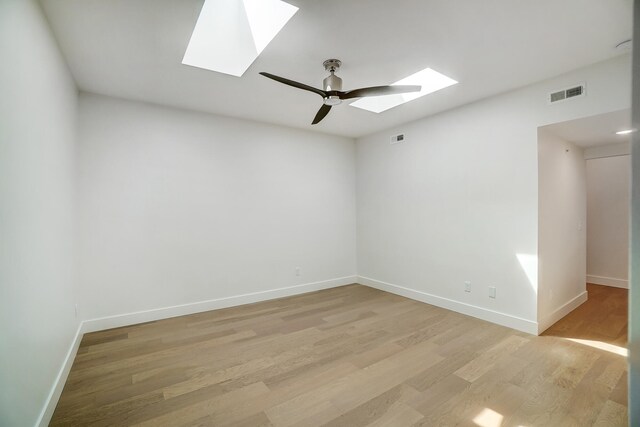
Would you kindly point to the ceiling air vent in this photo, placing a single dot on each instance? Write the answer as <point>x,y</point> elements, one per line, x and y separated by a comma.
<point>558,96</point>
<point>397,139</point>
<point>564,94</point>
<point>574,91</point>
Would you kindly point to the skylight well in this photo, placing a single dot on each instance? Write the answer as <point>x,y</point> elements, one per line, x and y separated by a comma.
<point>230,34</point>
<point>430,80</point>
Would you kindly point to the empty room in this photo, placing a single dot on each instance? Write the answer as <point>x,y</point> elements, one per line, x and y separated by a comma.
<point>319,213</point>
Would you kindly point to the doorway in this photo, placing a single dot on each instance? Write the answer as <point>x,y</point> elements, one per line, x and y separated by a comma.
<point>584,182</point>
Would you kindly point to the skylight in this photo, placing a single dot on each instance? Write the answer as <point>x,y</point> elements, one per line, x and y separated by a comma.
<point>230,34</point>
<point>429,79</point>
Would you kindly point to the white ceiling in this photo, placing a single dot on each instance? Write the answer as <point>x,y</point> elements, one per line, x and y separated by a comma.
<point>594,130</point>
<point>133,49</point>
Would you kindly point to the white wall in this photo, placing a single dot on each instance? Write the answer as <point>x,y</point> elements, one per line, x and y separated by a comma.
<point>608,205</point>
<point>179,207</point>
<point>458,200</point>
<point>37,127</point>
<point>562,236</point>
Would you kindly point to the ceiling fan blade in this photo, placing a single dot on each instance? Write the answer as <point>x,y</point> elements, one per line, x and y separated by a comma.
<point>295,84</point>
<point>322,112</point>
<point>378,91</point>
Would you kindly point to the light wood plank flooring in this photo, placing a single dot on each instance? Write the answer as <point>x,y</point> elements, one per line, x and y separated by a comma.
<point>603,318</point>
<point>350,356</point>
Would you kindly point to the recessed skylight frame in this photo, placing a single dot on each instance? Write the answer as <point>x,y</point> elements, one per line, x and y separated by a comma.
<point>430,80</point>
<point>230,34</point>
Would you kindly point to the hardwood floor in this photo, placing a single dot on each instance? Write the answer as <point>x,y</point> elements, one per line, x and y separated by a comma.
<point>603,318</point>
<point>351,356</point>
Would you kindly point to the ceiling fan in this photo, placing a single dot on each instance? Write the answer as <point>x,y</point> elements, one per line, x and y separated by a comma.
<point>332,93</point>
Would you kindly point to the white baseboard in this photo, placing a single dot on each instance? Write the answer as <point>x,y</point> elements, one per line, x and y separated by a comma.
<point>608,281</point>
<point>503,319</point>
<point>558,314</point>
<point>61,379</point>
<point>127,319</point>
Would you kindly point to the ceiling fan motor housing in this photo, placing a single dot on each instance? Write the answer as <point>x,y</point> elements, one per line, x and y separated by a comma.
<point>332,82</point>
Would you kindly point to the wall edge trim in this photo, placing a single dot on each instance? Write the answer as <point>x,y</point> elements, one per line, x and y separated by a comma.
<point>58,384</point>
<point>492,316</point>
<point>608,281</point>
<point>562,311</point>
<point>128,319</point>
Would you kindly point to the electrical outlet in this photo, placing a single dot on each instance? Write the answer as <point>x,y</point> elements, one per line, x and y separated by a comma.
<point>492,291</point>
<point>467,286</point>
<point>297,271</point>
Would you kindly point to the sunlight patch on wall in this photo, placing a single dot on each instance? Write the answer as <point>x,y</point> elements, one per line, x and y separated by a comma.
<point>529,264</point>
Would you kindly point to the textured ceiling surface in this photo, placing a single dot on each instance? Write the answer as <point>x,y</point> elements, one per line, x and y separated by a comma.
<point>133,49</point>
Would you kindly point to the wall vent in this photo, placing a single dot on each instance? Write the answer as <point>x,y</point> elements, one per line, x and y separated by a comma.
<point>397,139</point>
<point>572,92</point>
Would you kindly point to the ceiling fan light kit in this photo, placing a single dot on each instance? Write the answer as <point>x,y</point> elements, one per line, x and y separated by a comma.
<point>332,93</point>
